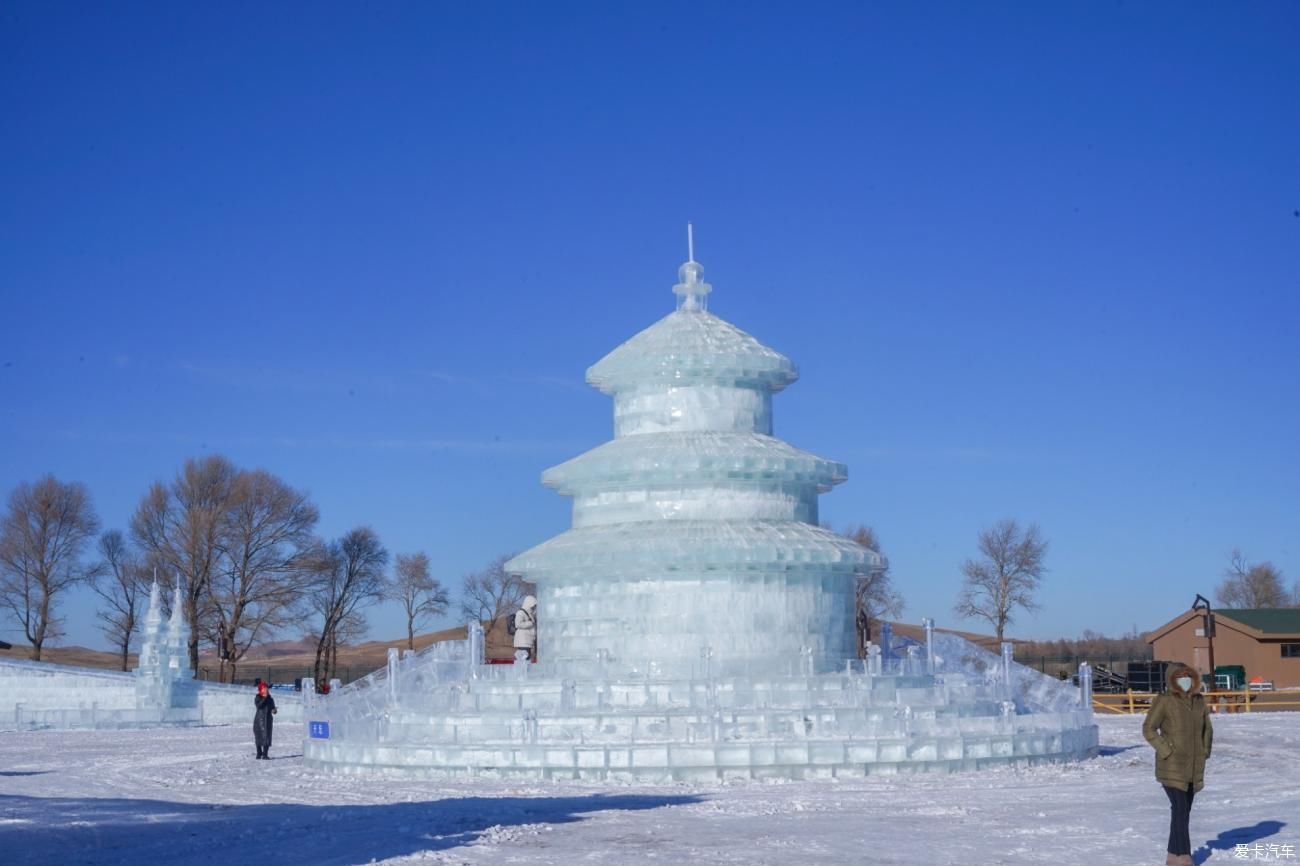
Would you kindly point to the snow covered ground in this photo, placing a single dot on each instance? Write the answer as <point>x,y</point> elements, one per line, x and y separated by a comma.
<point>197,796</point>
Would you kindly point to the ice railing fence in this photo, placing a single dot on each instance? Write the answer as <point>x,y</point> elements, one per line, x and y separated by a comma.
<point>406,672</point>
<point>90,715</point>
<point>439,676</point>
<point>1031,690</point>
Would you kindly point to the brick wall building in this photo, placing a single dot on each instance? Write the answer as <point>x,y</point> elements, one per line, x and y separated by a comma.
<point>1266,641</point>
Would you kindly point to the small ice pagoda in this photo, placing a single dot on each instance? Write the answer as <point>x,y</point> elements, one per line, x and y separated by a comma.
<point>696,622</point>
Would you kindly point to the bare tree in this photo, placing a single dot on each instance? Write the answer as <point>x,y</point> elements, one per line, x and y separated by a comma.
<point>1005,577</point>
<point>178,527</point>
<point>347,576</point>
<point>420,593</point>
<point>42,536</point>
<point>351,630</point>
<point>264,537</point>
<point>488,595</point>
<point>1251,586</point>
<point>876,597</point>
<point>120,584</point>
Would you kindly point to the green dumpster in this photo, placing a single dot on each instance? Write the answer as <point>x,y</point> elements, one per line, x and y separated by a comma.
<point>1229,677</point>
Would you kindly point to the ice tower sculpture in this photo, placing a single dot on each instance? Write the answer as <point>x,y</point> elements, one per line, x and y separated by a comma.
<point>163,676</point>
<point>695,526</point>
<point>696,622</point>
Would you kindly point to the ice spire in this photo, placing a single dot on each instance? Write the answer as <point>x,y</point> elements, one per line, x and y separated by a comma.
<point>691,289</point>
<point>153,616</point>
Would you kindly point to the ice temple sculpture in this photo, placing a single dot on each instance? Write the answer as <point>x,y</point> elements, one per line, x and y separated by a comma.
<point>696,622</point>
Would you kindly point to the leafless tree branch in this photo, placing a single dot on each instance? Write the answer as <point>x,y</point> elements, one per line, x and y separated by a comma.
<point>421,594</point>
<point>1005,577</point>
<point>43,534</point>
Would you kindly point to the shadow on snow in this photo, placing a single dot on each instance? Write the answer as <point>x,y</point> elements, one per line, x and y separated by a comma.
<point>1228,840</point>
<point>89,830</point>
<point>1105,751</point>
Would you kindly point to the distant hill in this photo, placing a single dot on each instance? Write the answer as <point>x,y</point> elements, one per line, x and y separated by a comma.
<point>78,656</point>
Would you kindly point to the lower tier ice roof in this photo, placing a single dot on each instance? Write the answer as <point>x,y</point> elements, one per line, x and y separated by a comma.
<point>656,547</point>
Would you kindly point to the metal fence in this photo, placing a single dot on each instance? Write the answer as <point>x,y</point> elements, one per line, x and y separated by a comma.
<point>275,674</point>
<point>1068,665</point>
<point>1242,701</point>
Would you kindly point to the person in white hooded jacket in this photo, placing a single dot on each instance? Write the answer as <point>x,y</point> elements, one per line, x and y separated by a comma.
<point>526,628</point>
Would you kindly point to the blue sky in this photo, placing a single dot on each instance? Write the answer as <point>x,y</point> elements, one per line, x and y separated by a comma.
<point>1034,260</point>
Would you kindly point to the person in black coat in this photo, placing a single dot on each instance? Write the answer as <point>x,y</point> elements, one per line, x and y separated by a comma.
<point>263,723</point>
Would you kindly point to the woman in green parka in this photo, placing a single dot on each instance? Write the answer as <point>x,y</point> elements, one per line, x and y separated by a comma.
<point>1178,727</point>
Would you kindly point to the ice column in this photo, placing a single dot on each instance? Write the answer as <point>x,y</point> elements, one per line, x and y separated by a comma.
<point>1007,651</point>
<point>929,644</point>
<point>475,656</point>
<point>393,672</point>
<point>1085,685</point>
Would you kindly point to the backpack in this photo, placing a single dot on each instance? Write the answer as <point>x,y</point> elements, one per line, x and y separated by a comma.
<point>511,626</point>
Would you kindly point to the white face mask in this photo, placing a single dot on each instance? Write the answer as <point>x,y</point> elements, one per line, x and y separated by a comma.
<point>1184,683</point>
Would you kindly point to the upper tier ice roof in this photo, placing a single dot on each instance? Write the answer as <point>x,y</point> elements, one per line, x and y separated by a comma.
<point>693,458</point>
<point>691,346</point>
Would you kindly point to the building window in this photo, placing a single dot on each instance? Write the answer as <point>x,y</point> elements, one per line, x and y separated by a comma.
<point>1291,650</point>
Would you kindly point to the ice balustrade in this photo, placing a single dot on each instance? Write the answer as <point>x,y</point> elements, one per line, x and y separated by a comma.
<point>892,712</point>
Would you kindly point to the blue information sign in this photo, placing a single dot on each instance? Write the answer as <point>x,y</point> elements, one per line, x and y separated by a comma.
<point>318,730</point>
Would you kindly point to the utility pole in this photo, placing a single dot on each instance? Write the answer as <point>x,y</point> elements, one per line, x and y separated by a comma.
<point>1207,627</point>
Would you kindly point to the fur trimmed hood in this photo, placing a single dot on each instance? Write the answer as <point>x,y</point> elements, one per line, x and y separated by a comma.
<point>1178,670</point>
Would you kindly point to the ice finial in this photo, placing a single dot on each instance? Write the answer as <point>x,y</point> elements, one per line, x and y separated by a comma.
<point>691,288</point>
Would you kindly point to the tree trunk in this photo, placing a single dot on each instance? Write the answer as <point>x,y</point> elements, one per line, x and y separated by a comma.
<point>38,639</point>
<point>410,635</point>
<point>319,668</point>
<point>126,653</point>
<point>191,604</point>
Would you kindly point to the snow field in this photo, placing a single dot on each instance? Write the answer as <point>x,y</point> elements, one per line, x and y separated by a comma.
<point>196,796</point>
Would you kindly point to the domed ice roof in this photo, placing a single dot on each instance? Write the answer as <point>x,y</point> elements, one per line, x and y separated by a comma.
<point>690,346</point>
<point>692,457</point>
<point>656,547</point>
